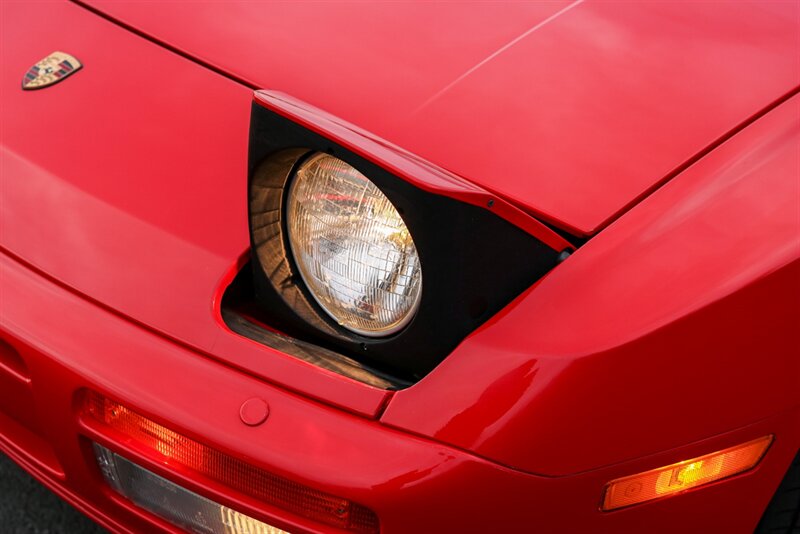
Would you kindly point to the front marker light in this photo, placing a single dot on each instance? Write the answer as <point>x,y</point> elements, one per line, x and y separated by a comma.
<point>352,248</point>
<point>182,453</point>
<point>172,502</point>
<point>685,475</point>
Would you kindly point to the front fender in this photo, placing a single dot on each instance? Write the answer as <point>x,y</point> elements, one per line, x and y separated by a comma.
<point>675,324</point>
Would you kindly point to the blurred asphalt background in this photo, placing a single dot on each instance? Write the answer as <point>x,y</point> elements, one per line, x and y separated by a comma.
<point>28,507</point>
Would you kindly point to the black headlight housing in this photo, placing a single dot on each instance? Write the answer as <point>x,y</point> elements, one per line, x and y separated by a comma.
<point>474,262</point>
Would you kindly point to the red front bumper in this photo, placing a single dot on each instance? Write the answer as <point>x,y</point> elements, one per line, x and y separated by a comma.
<point>68,344</point>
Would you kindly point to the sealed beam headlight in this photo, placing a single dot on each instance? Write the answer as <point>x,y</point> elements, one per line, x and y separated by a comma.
<point>352,248</point>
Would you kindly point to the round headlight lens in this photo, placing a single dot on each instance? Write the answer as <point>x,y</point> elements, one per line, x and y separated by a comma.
<point>352,248</point>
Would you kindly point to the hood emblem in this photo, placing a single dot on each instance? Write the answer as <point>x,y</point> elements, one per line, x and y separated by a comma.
<point>50,70</point>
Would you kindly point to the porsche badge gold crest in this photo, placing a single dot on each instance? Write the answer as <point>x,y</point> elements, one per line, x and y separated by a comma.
<point>50,70</point>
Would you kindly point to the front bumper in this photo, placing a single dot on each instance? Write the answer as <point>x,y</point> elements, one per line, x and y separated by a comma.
<point>68,345</point>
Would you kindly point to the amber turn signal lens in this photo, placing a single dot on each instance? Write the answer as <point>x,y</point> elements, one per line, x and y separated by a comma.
<point>685,475</point>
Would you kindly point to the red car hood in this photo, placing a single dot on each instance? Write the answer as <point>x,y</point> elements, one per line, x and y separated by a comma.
<point>573,111</point>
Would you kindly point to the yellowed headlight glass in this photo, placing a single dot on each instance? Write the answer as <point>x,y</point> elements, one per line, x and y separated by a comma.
<point>352,248</point>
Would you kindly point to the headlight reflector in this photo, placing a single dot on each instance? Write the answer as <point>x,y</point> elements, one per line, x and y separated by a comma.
<point>352,248</point>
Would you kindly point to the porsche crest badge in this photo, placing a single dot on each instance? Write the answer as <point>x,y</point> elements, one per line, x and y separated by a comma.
<point>50,70</point>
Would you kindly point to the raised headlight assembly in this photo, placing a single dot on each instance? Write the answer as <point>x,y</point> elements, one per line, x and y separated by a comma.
<point>352,248</point>
<point>371,253</point>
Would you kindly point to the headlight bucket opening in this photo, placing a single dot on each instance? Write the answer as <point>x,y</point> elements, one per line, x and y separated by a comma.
<point>474,262</point>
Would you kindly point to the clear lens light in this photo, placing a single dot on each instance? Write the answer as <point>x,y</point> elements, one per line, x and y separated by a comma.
<point>174,503</point>
<point>352,248</point>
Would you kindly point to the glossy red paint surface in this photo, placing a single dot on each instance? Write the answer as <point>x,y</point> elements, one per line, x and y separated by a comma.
<point>412,483</point>
<point>571,110</point>
<point>669,335</point>
<point>677,322</point>
<point>145,197</point>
